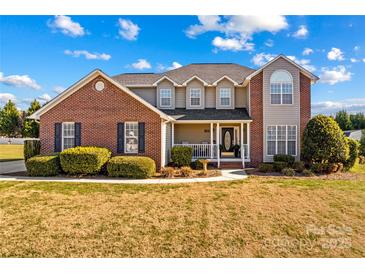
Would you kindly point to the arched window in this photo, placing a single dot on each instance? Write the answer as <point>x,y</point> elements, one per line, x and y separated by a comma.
<point>281,88</point>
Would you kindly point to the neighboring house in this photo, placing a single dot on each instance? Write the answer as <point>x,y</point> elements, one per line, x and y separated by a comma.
<point>203,106</point>
<point>354,134</point>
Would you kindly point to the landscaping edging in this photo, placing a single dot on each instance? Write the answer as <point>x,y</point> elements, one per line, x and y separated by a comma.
<point>227,175</point>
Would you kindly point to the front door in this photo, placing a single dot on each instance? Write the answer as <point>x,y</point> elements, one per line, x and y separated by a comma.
<point>227,139</point>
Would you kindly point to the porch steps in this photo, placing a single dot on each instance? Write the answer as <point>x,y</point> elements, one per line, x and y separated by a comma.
<point>231,165</point>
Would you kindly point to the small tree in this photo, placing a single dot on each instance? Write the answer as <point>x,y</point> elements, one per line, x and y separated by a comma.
<point>353,154</point>
<point>10,120</point>
<point>343,120</point>
<point>324,141</point>
<point>31,127</point>
<point>362,144</point>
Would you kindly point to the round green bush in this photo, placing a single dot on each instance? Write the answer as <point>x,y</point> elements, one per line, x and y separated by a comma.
<point>266,167</point>
<point>298,166</point>
<point>284,158</point>
<point>197,165</point>
<point>43,165</point>
<point>84,160</point>
<point>354,153</point>
<point>288,171</point>
<point>324,141</point>
<point>307,173</point>
<point>137,167</point>
<point>181,155</point>
<point>31,148</point>
<point>279,166</point>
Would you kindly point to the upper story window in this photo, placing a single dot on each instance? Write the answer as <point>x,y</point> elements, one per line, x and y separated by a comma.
<point>131,137</point>
<point>165,97</point>
<point>195,97</point>
<point>68,135</point>
<point>281,88</point>
<point>225,96</point>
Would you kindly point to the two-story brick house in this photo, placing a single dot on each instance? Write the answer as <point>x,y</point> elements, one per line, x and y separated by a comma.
<point>209,107</point>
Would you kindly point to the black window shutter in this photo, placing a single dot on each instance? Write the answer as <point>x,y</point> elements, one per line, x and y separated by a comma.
<point>141,138</point>
<point>77,134</point>
<point>120,138</point>
<point>57,137</point>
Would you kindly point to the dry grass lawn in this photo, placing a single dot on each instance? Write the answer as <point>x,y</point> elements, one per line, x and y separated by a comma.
<point>258,217</point>
<point>11,152</point>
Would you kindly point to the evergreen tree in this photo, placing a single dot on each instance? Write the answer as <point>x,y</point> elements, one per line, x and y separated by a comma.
<point>343,120</point>
<point>31,127</point>
<point>10,120</point>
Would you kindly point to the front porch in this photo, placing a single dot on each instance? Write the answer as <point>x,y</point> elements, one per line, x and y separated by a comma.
<point>219,141</point>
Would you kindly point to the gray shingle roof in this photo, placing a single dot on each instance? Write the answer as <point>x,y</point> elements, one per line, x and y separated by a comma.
<point>208,114</point>
<point>208,72</point>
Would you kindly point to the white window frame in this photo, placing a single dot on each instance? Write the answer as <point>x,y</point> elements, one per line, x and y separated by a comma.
<point>163,90</point>
<point>200,96</point>
<point>125,137</point>
<point>69,137</point>
<point>281,83</point>
<point>230,97</point>
<point>286,139</point>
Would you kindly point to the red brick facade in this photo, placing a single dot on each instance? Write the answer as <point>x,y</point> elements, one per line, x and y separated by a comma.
<point>99,113</point>
<point>256,105</point>
<point>305,102</point>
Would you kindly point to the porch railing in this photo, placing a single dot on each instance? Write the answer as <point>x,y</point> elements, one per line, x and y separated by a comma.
<point>201,151</point>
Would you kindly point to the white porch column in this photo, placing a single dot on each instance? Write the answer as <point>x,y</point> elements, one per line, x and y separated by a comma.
<point>211,141</point>
<point>248,140</point>
<point>172,134</point>
<point>217,143</point>
<point>242,148</point>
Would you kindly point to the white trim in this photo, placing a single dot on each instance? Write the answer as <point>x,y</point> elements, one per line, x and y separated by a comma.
<point>225,77</point>
<point>200,97</point>
<point>195,77</point>
<point>163,143</point>
<point>211,141</point>
<point>286,140</point>
<point>82,82</point>
<point>159,94</point>
<point>281,88</point>
<point>125,137</point>
<point>306,72</point>
<point>218,146</point>
<point>62,127</point>
<point>210,121</point>
<point>242,148</point>
<point>230,97</point>
<point>163,78</point>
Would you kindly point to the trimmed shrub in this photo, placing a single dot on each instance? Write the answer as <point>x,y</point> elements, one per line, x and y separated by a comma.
<point>288,171</point>
<point>167,172</point>
<point>31,148</point>
<point>284,158</point>
<point>186,171</point>
<point>197,165</point>
<point>362,144</point>
<point>324,141</point>
<point>43,165</point>
<point>279,166</point>
<point>266,167</point>
<point>307,173</point>
<point>354,153</point>
<point>84,160</point>
<point>181,155</point>
<point>298,166</point>
<point>137,167</point>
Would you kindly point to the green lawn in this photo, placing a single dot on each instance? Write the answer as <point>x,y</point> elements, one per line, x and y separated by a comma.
<point>258,217</point>
<point>11,152</point>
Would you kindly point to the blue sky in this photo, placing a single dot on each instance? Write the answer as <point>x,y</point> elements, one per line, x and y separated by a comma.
<point>41,55</point>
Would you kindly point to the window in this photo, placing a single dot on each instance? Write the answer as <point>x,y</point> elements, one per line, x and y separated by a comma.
<point>165,97</point>
<point>195,95</point>
<point>281,140</point>
<point>225,96</point>
<point>281,88</point>
<point>68,135</point>
<point>131,137</point>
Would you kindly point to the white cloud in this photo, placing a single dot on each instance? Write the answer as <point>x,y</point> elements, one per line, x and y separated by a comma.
<point>128,30</point>
<point>58,89</point>
<point>65,25</point>
<point>141,64</point>
<point>261,59</point>
<point>238,29</point>
<point>232,44</point>
<point>330,107</point>
<point>19,81</point>
<point>354,60</point>
<point>335,75</point>
<point>363,60</point>
<point>5,97</point>
<point>44,97</point>
<point>174,65</point>
<point>307,51</point>
<point>269,43</point>
<point>356,48</point>
<point>305,63</point>
<point>88,55</point>
<point>302,32</point>
<point>335,54</point>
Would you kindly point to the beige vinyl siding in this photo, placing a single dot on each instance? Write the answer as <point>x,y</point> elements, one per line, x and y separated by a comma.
<point>281,114</point>
<point>165,84</point>
<point>192,133</point>
<point>224,83</point>
<point>180,97</point>
<point>210,97</point>
<point>195,83</point>
<point>148,94</point>
<point>241,96</point>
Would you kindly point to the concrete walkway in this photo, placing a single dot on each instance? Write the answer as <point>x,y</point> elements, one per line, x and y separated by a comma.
<point>12,166</point>
<point>227,175</point>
